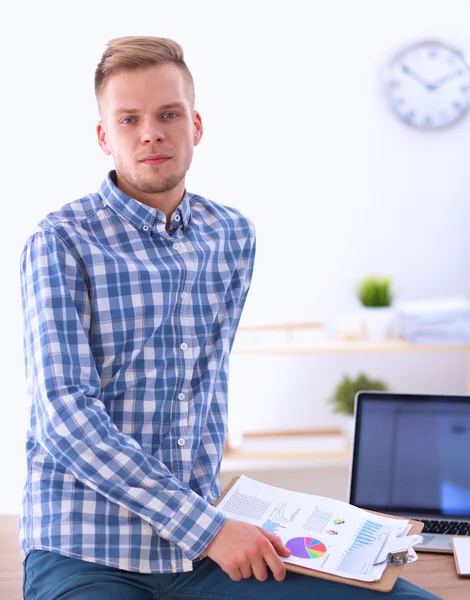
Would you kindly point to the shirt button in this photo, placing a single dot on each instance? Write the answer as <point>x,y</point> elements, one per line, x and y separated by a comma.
<point>181,396</point>
<point>183,295</point>
<point>184,346</point>
<point>176,246</point>
<point>181,442</point>
<point>145,227</point>
<point>177,217</point>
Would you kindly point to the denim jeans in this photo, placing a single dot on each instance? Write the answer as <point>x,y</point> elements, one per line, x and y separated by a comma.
<point>51,576</point>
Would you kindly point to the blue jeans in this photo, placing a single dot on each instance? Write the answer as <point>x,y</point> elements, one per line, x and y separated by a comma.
<point>50,576</point>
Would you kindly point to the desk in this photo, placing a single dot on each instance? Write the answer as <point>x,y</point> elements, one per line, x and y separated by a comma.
<point>436,573</point>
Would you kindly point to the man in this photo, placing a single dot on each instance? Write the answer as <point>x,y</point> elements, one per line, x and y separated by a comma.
<point>131,300</point>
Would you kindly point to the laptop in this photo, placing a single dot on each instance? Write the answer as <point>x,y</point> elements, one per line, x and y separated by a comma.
<point>411,458</point>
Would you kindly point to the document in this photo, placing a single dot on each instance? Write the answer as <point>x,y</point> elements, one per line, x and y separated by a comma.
<point>322,534</point>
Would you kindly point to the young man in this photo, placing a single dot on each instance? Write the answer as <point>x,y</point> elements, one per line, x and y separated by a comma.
<point>131,298</point>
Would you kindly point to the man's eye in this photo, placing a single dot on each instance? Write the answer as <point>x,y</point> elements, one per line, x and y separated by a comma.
<point>170,113</point>
<point>127,119</point>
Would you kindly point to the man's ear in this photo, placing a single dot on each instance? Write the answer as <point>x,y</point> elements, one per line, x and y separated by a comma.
<point>198,129</point>
<point>103,138</point>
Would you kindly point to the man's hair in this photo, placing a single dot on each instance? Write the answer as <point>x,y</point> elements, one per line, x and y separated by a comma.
<point>135,52</point>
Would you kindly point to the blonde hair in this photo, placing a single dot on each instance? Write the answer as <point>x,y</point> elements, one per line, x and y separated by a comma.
<point>135,52</point>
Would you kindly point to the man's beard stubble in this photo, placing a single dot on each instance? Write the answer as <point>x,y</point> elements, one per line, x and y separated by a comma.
<point>149,186</point>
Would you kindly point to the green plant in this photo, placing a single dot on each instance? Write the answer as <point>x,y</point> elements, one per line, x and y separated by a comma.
<point>346,390</point>
<point>375,291</point>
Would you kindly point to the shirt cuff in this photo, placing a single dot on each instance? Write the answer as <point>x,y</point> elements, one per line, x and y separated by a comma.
<point>198,526</point>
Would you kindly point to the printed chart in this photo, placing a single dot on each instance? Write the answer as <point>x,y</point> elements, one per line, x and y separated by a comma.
<point>272,526</point>
<point>278,519</point>
<point>306,547</point>
<point>363,549</point>
<point>280,513</point>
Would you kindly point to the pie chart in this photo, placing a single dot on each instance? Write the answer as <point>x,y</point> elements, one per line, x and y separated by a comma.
<point>306,547</point>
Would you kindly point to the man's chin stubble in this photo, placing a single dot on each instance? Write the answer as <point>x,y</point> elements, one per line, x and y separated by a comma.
<point>158,188</point>
<point>154,187</point>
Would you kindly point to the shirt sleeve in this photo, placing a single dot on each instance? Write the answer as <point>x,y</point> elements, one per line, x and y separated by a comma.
<point>242,280</point>
<point>71,422</point>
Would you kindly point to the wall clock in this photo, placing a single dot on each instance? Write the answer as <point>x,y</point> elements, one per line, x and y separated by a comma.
<point>429,85</point>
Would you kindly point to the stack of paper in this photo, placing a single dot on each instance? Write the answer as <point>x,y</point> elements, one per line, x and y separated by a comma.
<point>434,321</point>
<point>322,534</point>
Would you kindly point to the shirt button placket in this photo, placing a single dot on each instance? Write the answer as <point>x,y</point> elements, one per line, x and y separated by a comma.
<point>181,396</point>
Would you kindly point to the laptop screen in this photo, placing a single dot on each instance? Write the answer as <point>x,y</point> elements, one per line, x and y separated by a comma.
<point>412,454</point>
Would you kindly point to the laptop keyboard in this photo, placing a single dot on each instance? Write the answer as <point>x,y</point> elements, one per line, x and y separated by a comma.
<point>448,527</point>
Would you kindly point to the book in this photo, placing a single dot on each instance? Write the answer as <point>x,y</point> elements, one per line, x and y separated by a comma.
<point>326,537</point>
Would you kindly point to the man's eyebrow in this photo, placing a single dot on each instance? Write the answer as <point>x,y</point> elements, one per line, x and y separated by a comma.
<point>135,111</point>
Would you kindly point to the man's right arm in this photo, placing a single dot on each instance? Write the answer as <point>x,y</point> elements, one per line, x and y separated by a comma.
<point>72,424</point>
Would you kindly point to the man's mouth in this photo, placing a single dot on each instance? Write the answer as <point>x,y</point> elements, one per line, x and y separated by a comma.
<point>156,159</point>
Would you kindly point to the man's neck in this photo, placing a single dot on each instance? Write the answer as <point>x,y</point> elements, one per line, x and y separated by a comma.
<point>164,201</point>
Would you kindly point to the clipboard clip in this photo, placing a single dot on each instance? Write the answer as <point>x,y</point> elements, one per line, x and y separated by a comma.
<point>398,559</point>
<point>400,550</point>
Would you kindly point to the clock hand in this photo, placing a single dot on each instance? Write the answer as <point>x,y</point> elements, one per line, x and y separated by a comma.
<point>437,84</point>
<point>415,76</point>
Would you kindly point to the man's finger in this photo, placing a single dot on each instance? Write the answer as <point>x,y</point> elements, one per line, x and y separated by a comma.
<point>258,566</point>
<point>275,564</point>
<point>234,574</point>
<point>278,544</point>
<point>245,570</point>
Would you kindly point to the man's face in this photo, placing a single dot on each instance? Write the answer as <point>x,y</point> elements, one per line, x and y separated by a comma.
<point>148,113</point>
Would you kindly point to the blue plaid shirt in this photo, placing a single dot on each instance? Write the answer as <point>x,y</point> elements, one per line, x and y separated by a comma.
<point>127,334</point>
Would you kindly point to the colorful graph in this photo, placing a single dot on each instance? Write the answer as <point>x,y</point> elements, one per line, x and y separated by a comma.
<point>306,547</point>
<point>338,521</point>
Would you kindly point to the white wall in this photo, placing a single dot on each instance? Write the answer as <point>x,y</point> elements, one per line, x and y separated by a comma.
<point>298,135</point>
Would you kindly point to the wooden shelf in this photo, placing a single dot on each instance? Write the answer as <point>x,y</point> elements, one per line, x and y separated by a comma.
<point>357,347</point>
<point>343,347</point>
<point>240,461</point>
<point>288,450</point>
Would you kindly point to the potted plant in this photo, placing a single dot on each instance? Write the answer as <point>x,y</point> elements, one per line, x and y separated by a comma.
<point>375,295</point>
<point>345,393</point>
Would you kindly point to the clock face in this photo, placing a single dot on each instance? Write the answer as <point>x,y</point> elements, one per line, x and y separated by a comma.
<point>429,85</point>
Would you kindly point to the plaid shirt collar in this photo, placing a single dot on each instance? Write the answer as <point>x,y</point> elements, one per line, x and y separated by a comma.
<point>137,213</point>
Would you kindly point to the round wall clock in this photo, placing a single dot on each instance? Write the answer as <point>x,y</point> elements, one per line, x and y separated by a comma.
<point>429,85</point>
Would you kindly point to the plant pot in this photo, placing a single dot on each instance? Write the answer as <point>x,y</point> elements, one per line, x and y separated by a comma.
<point>378,321</point>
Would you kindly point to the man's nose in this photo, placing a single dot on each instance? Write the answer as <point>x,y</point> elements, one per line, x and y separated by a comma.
<point>152,132</point>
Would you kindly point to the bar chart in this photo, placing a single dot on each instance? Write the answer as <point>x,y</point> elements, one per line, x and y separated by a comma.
<point>361,554</point>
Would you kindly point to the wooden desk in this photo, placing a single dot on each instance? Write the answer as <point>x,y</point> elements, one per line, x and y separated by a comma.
<point>436,573</point>
<point>433,572</point>
<point>11,570</point>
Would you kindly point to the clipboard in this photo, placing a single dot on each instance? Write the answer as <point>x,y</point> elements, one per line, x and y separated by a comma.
<point>390,575</point>
<point>457,565</point>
